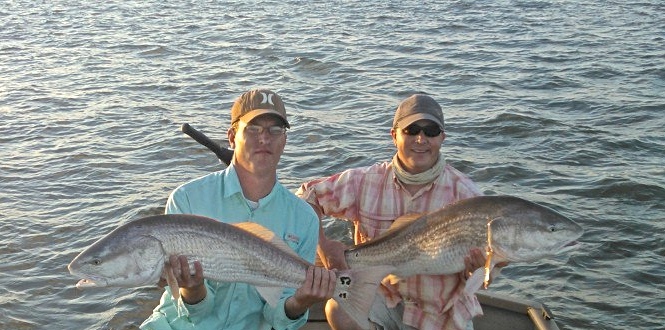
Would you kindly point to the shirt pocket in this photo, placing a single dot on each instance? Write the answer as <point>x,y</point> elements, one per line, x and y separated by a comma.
<point>374,225</point>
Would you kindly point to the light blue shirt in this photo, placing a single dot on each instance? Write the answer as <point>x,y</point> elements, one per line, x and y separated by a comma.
<point>238,306</point>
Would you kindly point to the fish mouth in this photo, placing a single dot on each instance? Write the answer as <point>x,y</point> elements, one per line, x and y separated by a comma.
<point>90,283</point>
<point>572,245</point>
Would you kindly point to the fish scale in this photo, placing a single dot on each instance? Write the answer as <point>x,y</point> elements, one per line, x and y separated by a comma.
<point>224,259</point>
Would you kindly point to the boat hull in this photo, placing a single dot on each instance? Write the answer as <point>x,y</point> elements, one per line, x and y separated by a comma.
<point>500,312</point>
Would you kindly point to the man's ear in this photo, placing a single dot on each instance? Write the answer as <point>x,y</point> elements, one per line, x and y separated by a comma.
<point>231,135</point>
<point>393,133</point>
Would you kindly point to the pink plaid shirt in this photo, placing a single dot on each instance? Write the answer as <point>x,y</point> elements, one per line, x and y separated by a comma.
<point>373,198</point>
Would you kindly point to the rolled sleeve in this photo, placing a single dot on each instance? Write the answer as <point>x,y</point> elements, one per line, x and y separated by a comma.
<point>166,315</point>
<point>277,315</point>
<point>336,195</point>
<point>200,310</point>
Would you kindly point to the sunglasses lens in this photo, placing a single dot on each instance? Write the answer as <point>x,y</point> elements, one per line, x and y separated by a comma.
<point>412,130</point>
<point>430,131</point>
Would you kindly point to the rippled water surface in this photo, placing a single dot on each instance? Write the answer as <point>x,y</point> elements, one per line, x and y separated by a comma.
<point>560,102</point>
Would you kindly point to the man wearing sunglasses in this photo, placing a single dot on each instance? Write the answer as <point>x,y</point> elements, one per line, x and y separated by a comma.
<point>417,180</point>
<point>247,190</point>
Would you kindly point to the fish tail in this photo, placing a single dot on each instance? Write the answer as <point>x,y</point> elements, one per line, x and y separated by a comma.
<point>356,289</point>
<point>171,281</point>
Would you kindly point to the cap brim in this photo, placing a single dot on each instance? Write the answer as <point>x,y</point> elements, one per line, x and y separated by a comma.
<point>408,120</point>
<point>260,112</point>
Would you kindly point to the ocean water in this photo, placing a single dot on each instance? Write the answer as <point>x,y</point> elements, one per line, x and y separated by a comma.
<point>560,102</point>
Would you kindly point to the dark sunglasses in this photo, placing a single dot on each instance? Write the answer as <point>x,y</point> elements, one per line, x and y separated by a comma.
<point>429,130</point>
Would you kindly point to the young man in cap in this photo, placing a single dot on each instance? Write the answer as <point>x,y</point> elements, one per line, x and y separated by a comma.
<point>247,190</point>
<point>416,180</point>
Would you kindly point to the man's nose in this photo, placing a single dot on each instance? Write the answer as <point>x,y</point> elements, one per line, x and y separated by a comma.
<point>421,138</point>
<point>264,136</point>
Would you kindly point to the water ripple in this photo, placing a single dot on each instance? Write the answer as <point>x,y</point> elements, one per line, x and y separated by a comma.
<point>558,102</point>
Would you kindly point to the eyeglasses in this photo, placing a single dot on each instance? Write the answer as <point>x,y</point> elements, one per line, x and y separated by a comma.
<point>429,130</point>
<point>256,130</point>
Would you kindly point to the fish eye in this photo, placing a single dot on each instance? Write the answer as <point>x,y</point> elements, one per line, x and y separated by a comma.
<point>96,262</point>
<point>551,228</point>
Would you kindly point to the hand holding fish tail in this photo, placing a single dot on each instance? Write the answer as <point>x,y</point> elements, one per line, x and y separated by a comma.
<point>319,286</point>
<point>331,253</point>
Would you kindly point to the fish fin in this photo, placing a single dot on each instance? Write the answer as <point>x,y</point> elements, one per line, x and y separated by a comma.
<point>267,235</point>
<point>174,289</point>
<point>171,281</point>
<point>495,272</point>
<point>405,220</point>
<point>468,300</point>
<point>488,268</point>
<point>474,282</point>
<point>353,289</point>
<point>489,262</point>
<point>181,308</point>
<point>256,229</point>
<point>270,294</point>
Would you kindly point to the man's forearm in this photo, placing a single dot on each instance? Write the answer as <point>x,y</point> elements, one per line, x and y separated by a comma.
<point>293,309</point>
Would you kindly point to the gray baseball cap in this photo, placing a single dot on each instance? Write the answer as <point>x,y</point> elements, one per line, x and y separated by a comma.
<point>417,107</point>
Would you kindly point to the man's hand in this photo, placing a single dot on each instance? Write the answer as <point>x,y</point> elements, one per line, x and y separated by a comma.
<point>319,286</point>
<point>192,288</point>
<point>476,259</point>
<point>331,253</point>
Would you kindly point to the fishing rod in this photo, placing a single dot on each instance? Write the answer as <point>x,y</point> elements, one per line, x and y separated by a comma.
<point>224,154</point>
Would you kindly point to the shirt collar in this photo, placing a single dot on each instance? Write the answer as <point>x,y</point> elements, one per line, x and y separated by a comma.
<point>231,182</point>
<point>232,186</point>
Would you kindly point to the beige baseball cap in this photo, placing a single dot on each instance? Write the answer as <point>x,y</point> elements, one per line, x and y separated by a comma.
<point>257,102</point>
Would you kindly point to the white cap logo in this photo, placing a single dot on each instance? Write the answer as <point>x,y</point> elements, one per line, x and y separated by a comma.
<point>267,98</point>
